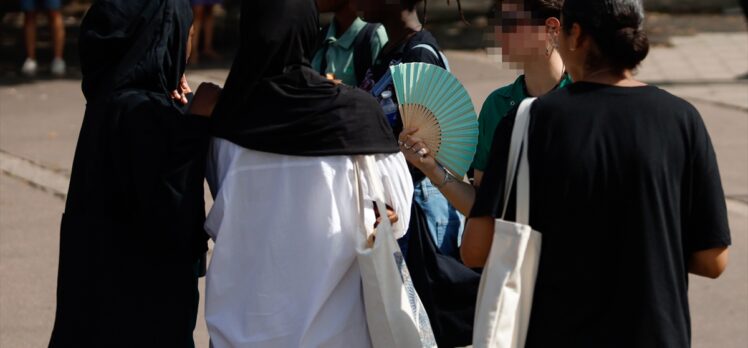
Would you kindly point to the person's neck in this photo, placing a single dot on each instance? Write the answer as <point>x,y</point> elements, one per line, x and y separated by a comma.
<point>607,76</point>
<point>401,28</point>
<point>344,18</point>
<point>544,74</point>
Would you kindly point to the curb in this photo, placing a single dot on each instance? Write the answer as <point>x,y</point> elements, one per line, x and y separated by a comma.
<point>34,174</point>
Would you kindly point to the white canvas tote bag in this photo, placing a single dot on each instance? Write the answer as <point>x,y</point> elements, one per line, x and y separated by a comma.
<point>394,312</point>
<point>506,289</point>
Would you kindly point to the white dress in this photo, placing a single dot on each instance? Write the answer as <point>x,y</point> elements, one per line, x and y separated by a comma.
<point>283,271</point>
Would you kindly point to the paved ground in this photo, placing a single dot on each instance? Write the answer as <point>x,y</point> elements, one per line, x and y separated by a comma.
<point>39,123</point>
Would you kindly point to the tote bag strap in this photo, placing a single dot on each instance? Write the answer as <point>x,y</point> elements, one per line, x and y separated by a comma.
<point>366,166</point>
<point>523,180</point>
<point>516,147</point>
<point>376,188</point>
<point>359,193</point>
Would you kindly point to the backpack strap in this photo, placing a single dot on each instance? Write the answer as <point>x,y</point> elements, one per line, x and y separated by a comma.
<point>323,46</point>
<point>362,59</point>
<point>443,62</point>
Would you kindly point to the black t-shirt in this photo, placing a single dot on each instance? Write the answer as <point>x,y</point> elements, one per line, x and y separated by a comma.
<point>624,187</point>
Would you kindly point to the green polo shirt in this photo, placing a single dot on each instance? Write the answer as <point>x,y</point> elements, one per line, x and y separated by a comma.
<point>494,108</point>
<point>340,51</point>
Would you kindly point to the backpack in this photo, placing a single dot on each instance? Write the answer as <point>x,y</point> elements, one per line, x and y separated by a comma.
<point>362,59</point>
<point>443,61</point>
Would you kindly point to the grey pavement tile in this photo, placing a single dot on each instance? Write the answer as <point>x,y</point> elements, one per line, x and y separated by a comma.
<point>736,57</point>
<point>731,95</point>
<point>38,121</point>
<point>28,263</point>
<point>719,308</point>
<point>714,74</point>
<point>738,69</point>
<point>668,59</point>
<point>677,65</point>
<point>664,56</point>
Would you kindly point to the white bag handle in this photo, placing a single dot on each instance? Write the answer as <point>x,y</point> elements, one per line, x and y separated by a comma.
<point>366,165</point>
<point>359,195</point>
<point>518,164</point>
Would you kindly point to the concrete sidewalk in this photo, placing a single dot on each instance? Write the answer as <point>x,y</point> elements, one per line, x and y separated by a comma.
<point>39,124</point>
<point>702,67</point>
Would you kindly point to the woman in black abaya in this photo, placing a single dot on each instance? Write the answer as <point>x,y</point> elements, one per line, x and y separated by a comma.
<point>132,233</point>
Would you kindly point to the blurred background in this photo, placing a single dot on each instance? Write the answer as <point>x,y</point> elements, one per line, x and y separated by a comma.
<point>700,53</point>
<point>667,18</point>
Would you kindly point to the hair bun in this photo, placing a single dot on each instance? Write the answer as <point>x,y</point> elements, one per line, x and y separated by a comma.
<point>615,26</point>
<point>631,46</point>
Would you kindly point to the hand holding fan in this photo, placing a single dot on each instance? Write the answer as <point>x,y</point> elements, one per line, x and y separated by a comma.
<point>435,102</point>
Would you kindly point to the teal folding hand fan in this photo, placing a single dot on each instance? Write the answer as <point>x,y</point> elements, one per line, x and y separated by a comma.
<point>434,101</point>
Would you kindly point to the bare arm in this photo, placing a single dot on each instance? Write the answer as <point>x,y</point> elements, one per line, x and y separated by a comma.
<point>477,178</point>
<point>476,241</point>
<point>708,263</point>
<point>461,194</point>
<point>205,99</point>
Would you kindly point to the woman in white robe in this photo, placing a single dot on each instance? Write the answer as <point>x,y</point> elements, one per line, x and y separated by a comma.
<point>283,271</point>
<point>286,220</point>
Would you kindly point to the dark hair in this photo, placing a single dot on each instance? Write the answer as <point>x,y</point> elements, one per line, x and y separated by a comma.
<point>543,9</point>
<point>615,26</point>
<point>410,5</point>
<point>539,11</point>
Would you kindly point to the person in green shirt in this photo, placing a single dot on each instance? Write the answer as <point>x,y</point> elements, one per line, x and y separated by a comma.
<point>350,45</point>
<point>527,32</point>
<point>495,107</point>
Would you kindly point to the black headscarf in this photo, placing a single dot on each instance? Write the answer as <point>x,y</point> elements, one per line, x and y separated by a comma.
<point>275,102</point>
<point>134,44</point>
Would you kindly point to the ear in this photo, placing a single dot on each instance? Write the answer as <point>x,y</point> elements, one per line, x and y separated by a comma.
<point>576,39</point>
<point>552,25</point>
<point>552,30</point>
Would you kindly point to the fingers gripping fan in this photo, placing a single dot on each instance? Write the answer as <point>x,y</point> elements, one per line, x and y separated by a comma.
<point>435,102</point>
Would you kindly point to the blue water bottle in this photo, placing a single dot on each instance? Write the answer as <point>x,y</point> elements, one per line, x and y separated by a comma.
<point>389,107</point>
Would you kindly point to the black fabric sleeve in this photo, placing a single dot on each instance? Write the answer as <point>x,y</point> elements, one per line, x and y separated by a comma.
<point>706,224</point>
<point>489,198</point>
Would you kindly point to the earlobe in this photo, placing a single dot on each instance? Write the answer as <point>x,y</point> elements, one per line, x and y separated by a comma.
<point>553,37</point>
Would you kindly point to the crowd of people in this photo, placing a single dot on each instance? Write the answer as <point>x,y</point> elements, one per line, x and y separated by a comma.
<point>31,9</point>
<point>203,23</point>
<point>625,183</point>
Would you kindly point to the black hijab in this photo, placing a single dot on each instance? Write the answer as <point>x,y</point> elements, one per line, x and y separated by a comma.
<point>275,102</point>
<point>134,44</point>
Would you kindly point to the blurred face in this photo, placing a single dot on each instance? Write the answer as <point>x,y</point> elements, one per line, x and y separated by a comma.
<point>520,37</point>
<point>330,5</point>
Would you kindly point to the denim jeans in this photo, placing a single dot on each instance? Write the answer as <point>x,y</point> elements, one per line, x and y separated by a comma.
<point>445,222</point>
<point>38,5</point>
